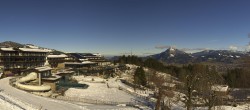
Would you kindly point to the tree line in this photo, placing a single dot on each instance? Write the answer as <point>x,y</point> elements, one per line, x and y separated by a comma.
<point>194,77</point>
<point>234,77</point>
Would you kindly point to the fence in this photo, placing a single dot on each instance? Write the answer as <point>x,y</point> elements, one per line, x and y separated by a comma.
<point>97,102</point>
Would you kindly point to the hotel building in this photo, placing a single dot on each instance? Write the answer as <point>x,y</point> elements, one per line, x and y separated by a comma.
<point>17,59</point>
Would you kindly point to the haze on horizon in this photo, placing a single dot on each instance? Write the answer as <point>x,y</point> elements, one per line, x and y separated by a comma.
<point>115,27</point>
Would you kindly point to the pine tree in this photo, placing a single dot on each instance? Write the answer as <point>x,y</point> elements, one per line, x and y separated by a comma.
<point>140,77</point>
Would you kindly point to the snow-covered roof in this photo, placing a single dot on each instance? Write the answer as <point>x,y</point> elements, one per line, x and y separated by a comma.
<point>32,46</point>
<point>88,62</point>
<point>64,72</point>
<point>169,84</point>
<point>57,56</point>
<point>75,63</point>
<point>82,63</point>
<point>165,75</point>
<point>44,68</point>
<point>32,50</point>
<point>220,88</point>
<point>98,54</point>
<point>132,66</point>
<point>7,49</point>
<point>83,59</point>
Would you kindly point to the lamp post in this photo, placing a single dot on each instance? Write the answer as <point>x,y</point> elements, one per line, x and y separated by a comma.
<point>39,78</point>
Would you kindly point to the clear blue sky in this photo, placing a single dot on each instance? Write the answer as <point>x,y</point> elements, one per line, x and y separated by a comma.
<point>112,27</point>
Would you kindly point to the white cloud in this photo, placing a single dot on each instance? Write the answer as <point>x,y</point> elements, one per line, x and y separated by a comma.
<point>126,53</point>
<point>148,53</point>
<point>233,47</point>
<point>247,47</point>
<point>194,49</point>
<point>164,46</point>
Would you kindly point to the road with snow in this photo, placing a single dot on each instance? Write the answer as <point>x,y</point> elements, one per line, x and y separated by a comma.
<point>20,100</point>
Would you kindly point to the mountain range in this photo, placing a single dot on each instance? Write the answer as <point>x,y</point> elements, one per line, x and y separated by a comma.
<point>175,56</point>
<point>169,56</point>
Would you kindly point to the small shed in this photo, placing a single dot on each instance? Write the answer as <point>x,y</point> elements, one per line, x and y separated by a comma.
<point>170,86</point>
<point>220,90</point>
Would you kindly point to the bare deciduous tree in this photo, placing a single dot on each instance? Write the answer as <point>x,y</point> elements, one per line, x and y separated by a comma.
<point>162,91</point>
<point>198,86</point>
<point>209,78</point>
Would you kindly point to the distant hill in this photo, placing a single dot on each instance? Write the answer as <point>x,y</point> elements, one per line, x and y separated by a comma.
<point>172,55</point>
<point>18,45</point>
<point>11,44</point>
<point>225,56</point>
<point>175,56</point>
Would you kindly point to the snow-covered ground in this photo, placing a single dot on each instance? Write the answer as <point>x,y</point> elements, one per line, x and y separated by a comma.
<point>108,92</point>
<point>175,105</point>
<point>241,107</point>
<point>4,105</point>
<point>132,66</point>
<point>15,99</point>
<point>8,102</point>
<point>33,101</point>
<point>7,106</point>
<point>100,91</point>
